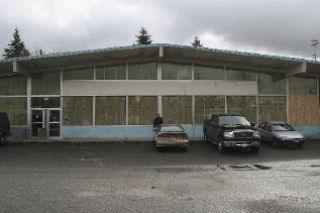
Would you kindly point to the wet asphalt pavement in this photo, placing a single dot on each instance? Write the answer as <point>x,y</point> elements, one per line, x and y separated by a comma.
<point>134,177</point>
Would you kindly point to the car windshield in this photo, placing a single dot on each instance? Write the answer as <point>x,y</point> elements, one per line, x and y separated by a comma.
<point>171,129</point>
<point>282,127</point>
<point>233,121</point>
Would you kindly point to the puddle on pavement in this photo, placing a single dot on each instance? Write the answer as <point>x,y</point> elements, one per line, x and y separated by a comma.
<point>315,166</point>
<point>259,166</point>
<point>253,167</point>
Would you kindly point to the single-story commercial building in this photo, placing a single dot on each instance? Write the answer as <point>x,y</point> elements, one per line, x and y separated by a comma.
<point>115,93</point>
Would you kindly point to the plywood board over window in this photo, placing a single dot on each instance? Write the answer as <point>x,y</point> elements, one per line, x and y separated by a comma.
<point>46,83</point>
<point>243,105</point>
<point>142,109</point>
<point>16,108</point>
<point>14,85</point>
<point>77,111</point>
<point>272,109</point>
<point>147,71</point>
<point>177,109</point>
<point>208,73</point>
<point>205,106</point>
<point>304,109</point>
<point>303,101</point>
<point>110,110</point>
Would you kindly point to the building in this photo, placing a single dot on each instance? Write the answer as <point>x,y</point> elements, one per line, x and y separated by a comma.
<point>115,93</point>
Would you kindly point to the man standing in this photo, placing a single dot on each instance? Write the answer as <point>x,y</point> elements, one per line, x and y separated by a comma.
<point>157,121</point>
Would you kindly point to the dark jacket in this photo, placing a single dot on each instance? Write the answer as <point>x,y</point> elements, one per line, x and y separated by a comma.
<point>157,121</point>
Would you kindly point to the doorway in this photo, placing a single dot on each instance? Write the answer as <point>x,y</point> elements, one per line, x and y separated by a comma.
<point>45,123</point>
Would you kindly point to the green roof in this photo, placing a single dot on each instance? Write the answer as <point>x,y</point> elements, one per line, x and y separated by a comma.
<point>132,47</point>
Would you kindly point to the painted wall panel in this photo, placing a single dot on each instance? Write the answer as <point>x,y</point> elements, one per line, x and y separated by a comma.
<point>140,132</point>
<point>154,87</point>
<point>77,132</point>
<point>18,132</point>
<point>110,132</point>
<point>308,130</point>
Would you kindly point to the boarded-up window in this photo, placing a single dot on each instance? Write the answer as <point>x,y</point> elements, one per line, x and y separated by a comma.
<point>205,106</point>
<point>15,85</point>
<point>142,110</point>
<point>46,83</point>
<point>146,71</point>
<point>110,110</point>
<point>272,109</point>
<point>78,74</point>
<point>304,109</point>
<point>303,86</point>
<point>176,72</point>
<point>177,109</point>
<point>240,75</point>
<point>208,73</point>
<point>77,111</point>
<point>271,83</point>
<point>242,105</point>
<point>16,108</point>
<point>115,72</point>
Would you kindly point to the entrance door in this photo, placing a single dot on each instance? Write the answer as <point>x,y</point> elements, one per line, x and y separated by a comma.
<point>45,123</point>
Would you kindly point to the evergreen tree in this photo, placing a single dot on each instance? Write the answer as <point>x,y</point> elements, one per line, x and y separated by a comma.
<point>143,37</point>
<point>16,47</point>
<point>196,42</point>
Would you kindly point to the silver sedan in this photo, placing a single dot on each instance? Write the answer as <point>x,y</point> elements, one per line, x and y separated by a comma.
<point>280,133</point>
<point>171,136</point>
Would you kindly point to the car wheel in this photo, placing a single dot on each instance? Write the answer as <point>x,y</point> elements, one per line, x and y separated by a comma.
<point>221,147</point>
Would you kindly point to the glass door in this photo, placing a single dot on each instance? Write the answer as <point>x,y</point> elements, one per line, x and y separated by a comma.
<point>38,123</point>
<point>45,123</point>
<point>53,122</point>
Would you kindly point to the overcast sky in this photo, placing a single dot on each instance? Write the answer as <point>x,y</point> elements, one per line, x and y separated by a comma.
<point>281,27</point>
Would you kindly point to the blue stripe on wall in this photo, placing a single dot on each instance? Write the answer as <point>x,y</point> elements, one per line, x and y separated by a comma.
<point>308,130</point>
<point>143,132</point>
<point>111,132</point>
<point>77,132</point>
<point>18,132</point>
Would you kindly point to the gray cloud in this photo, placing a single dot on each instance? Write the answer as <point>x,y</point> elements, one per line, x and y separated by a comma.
<point>269,26</point>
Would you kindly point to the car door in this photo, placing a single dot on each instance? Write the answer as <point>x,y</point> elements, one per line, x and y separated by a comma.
<point>262,131</point>
<point>268,133</point>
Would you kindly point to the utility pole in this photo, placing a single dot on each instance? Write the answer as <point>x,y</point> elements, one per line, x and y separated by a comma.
<point>314,43</point>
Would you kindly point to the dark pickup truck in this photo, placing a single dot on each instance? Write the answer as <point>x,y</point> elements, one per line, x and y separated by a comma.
<point>4,127</point>
<point>231,131</point>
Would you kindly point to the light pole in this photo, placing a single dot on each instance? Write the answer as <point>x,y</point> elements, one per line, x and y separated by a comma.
<point>314,43</point>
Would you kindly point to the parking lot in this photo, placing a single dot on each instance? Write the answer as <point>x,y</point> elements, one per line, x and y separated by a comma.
<point>134,177</point>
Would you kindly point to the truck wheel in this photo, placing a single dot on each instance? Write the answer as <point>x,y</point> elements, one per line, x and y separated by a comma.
<point>221,147</point>
<point>255,150</point>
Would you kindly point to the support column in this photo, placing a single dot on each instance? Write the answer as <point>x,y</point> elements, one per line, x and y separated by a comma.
<point>29,116</point>
<point>288,99</point>
<point>61,102</point>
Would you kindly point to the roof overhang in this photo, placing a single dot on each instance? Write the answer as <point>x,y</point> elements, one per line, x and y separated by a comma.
<point>159,52</point>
